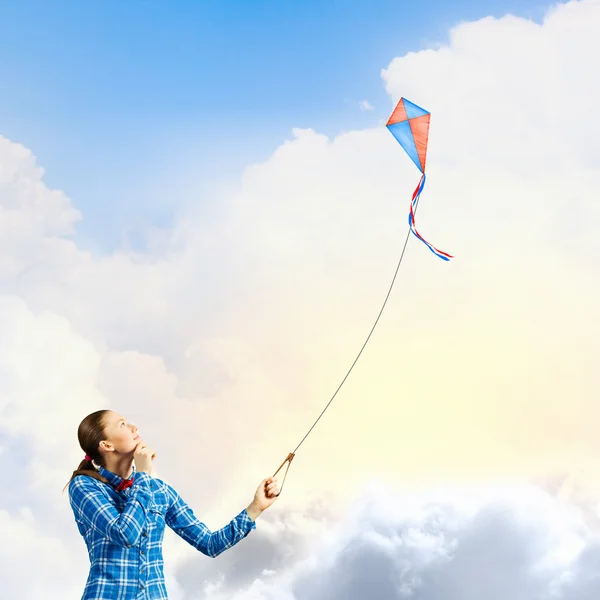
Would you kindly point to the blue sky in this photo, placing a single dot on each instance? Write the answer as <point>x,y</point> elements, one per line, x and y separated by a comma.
<point>135,106</point>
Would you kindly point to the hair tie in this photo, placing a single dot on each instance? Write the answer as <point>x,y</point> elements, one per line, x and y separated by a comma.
<point>88,458</point>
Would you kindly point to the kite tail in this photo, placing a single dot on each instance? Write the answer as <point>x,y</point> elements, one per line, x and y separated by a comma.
<point>411,221</point>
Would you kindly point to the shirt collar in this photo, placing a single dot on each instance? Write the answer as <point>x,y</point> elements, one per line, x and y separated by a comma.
<point>113,478</point>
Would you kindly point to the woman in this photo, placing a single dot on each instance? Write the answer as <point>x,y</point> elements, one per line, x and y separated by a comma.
<point>121,511</point>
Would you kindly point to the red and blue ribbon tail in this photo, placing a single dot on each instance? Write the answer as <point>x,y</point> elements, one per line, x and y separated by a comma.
<point>411,221</point>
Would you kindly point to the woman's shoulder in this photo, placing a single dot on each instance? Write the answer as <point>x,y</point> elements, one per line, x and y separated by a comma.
<point>159,484</point>
<point>162,486</point>
<point>83,483</point>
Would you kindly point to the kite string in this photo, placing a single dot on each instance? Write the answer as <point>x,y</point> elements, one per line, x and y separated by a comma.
<point>416,202</point>
<point>290,456</point>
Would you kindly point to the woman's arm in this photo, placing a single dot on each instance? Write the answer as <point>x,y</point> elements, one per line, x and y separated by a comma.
<point>182,520</point>
<point>92,507</point>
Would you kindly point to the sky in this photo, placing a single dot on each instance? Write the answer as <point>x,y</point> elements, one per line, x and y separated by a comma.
<point>200,214</point>
<point>137,103</point>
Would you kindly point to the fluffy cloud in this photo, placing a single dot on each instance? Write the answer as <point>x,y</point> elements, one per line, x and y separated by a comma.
<point>23,542</point>
<point>234,334</point>
<point>513,543</point>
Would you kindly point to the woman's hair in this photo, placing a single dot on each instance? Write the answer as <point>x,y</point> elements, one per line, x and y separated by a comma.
<point>90,433</point>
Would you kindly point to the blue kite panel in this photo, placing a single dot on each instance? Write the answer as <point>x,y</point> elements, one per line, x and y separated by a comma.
<point>412,110</point>
<point>403,133</point>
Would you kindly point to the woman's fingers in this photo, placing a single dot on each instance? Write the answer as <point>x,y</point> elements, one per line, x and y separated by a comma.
<point>272,486</point>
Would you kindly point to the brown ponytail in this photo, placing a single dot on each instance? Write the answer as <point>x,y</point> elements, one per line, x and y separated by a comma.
<point>90,433</point>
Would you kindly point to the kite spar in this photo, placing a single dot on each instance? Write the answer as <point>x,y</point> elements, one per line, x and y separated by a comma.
<point>409,124</point>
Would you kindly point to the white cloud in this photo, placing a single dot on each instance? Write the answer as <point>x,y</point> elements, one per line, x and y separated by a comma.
<point>365,105</point>
<point>47,378</point>
<point>234,335</point>
<point>22,543</point>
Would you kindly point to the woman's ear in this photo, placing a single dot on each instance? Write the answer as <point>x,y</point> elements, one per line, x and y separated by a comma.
<point>106,446</point>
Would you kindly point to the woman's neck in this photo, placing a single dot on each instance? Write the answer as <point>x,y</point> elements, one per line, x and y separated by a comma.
<point>121,466</point>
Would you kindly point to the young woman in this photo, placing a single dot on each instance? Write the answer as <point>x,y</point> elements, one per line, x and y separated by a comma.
<point>121,511</point>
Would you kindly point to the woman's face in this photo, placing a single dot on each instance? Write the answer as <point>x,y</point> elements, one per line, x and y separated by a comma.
<point>121,437</point>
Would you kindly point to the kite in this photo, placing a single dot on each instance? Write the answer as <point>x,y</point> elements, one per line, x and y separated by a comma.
<point>409,124</point>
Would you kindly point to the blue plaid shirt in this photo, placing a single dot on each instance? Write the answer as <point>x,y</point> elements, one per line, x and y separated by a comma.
<point>124,531</point>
